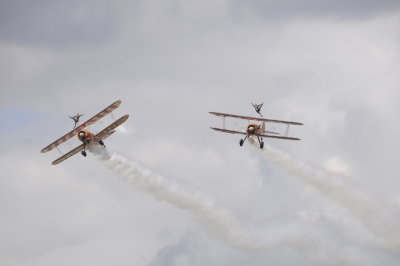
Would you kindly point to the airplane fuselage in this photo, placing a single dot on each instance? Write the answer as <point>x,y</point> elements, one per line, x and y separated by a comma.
<point>253,129</point>
<point>85,136</point>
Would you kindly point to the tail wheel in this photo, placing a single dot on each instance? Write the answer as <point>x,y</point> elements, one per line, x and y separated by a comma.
<point>261,145</point>
<point>84,153</point>
<point>241,142</point>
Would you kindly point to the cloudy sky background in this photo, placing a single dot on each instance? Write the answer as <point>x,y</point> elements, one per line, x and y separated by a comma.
<point>331,65</point>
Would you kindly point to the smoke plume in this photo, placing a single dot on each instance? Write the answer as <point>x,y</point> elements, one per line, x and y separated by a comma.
<point>203,207</point>
<point>378,215</point>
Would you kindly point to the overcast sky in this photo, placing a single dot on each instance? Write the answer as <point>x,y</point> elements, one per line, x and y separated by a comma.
<point>332,65</point>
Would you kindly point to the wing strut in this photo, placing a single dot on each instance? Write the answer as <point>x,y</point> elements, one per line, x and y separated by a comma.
<point>287,130</point>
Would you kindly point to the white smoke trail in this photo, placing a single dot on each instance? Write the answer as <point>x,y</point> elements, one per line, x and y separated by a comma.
<point>217,219</point>
<point>375,212</point>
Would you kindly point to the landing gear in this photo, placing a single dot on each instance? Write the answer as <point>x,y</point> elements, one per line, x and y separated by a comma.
<point>242,141</point>
<point>84,150</point>
<point>261,142</point>
<point>102,143</point>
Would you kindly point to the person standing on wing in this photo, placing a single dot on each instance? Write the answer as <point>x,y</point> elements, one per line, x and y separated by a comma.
<point>257,107</point>
<point>76,118</point>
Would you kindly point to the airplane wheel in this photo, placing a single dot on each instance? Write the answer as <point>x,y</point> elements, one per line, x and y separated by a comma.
<point>241,142</point>
<point>261,145</point>
<point>83,153</point>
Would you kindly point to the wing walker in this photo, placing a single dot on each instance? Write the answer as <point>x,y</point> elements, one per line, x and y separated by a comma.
<point>87,138</point>
<point>76,118</point>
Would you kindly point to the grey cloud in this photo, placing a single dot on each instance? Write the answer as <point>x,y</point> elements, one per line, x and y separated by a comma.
<point>60,24</point>
<point>271,10</point>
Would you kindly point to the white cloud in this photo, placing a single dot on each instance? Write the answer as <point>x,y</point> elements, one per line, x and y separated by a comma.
<point>171,63</point>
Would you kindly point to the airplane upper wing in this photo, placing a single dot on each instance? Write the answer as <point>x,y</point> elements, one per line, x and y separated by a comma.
<point>69,154</point>
<point>257,119</point>
<point>228,131</point>
<point>76,130</point>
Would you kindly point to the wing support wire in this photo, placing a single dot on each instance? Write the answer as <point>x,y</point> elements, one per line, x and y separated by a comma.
<point>58,149</point>
<point>287,130</point>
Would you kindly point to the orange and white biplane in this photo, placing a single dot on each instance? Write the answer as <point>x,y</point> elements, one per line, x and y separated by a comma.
<point>256,130</point>
<point>87,138</point>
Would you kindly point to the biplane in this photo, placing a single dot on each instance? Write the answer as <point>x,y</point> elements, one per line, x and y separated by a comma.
<point>87,138</point>
<point>257,130</point>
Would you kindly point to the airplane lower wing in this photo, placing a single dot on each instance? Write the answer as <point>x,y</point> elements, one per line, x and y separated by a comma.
<point>261,135</point>
<point>228,131</point>
<point>69,154</point>
<point>279,137</point>
<point>109,134</point>
<point>108,130</point>
<point>257,119</point>
<point>76,130</point>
